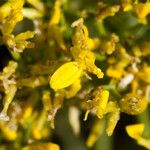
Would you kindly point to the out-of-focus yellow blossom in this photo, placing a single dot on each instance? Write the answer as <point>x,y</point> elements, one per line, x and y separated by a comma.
<point>69,72</point>
<point>106,11</point>
<point>134,86</point>
<point>32,82</point>
<point>5,10</point>
<point>56,14</point>
<point>27,112</point>
<point>137,51</point>
<point>144,74</point>
<point>42,146</point>
<point>135,131</point>
<point>145,49</point>
<point>115,73</point>
<point>39,127</point>
<point>55,33</point>
<point>46,99</point>
<point>142,9</point>
<point>110,46</point>
<point>119,62</point>
<point>8,133</point>
<point>95,133</point>
<point>123,58</point>
<point>126,5</point>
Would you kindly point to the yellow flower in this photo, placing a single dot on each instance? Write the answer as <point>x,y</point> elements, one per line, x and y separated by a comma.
<point>70,72</point>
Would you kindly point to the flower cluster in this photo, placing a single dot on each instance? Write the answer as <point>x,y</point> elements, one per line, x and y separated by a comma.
<point>89,60</point>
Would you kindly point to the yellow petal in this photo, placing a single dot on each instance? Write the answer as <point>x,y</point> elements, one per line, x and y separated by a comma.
<point>101,106</point>
<point>56,14</point>
<point>114,72</point>
<point>135,131</point>
<point>66,75</point>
